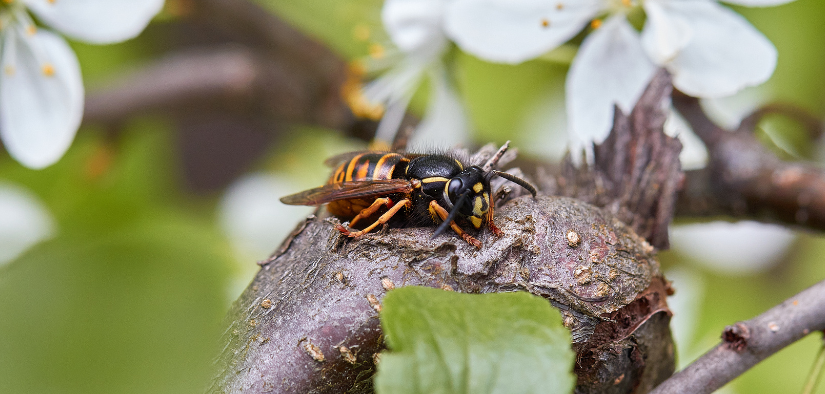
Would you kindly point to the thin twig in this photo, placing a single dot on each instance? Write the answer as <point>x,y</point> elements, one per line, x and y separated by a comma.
<point>745,344</point>
<point>816,371</point>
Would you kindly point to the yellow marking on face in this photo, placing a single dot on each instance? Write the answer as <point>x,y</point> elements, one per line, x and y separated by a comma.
<point>478,187</point>
<point>434,179</point>
<point>475,221</point>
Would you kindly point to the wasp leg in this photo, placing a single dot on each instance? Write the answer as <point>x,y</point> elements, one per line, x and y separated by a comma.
<point>383,219</point>
<point>442,213</point>
<point>491,223</point>
<point>366,212</point>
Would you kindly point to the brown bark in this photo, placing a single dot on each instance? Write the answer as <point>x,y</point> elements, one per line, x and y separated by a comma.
<point>319,294</point>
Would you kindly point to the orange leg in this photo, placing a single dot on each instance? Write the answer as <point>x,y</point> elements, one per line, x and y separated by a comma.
<point>383,219</point>
<point>442,213</point>
<point>491,223</point>
<point>366,212</point>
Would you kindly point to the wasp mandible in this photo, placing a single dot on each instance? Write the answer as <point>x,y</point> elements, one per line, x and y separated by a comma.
<point>427,189</point>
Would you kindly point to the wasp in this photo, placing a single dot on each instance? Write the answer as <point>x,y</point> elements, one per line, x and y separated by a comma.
<point>421,189</point>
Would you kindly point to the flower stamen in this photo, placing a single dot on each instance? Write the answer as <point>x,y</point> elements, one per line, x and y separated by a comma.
<point>47,69</point>
<point>595,24</point>
<point>376,51</point>
<point>353,93</point>
<point>545,22</point>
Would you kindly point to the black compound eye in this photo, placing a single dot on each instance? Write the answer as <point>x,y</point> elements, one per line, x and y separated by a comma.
<point>454,189</point>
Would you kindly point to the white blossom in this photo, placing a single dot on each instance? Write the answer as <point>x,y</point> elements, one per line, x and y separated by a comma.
<point>415,28</point>
<point>741,248</point>
<point>41,88</point>
<point>24,222</point>
<point>710,50</point>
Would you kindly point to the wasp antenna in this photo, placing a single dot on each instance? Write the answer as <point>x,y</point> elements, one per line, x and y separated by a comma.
<point>494,160</point>
<point>446,223</point>
<point>521,182</point>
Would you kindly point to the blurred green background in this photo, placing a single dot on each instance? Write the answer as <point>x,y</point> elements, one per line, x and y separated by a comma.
<point>129,294</point>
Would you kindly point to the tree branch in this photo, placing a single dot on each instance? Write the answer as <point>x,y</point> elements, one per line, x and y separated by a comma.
<point>744,179</point>
<point>320,293</point>
<point>745,344</point>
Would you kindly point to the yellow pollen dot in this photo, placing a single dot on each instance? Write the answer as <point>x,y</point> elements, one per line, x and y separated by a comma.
<point>352,92</point>
<point>627,3</point>
<point>9,69</point>
<point>376,51</point>
<point>595,24</point>
<point>47,69</point>
<point>545,23</point>
<point>8,1</point>
<point>52,1</point>
<point>30,30</point>
<point>361,32</point>
<point>357,69</point>
<point>559,6</point>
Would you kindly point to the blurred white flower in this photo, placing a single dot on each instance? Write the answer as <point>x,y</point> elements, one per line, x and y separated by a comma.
<point>41,89</point>
<point>256,222</point>
<point>24,222</point>
<point>254,218</point>
<point>739,248</point>
<point>710,50</point>
<point>416,29</point>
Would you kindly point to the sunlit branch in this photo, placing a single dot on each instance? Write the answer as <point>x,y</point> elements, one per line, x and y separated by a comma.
<point>745,344</point>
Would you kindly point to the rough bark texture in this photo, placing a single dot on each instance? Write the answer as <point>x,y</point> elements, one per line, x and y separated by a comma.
<point>309,321</point>
<point>636,173</point>
<point>321,295</point>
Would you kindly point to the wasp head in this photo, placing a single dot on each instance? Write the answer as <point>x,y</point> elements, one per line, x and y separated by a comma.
<point>468,193</point>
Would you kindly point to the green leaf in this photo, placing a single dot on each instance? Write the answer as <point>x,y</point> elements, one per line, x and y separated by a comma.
<point>445,342</point>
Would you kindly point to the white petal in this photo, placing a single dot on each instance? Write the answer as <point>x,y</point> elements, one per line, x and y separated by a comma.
<point>694,154</point>
<point>253,218</point>
<point>664,35</point>
<point>39,113</point>
<point>394,90</point>
<point>445,123</point>
<point>725,54</point>
<point>729,111</point>
<point>611,67</point>
<point>415,25</point>
<point>24,222</point>
<point>512,31</point>
<point>759,3</point>
<point>732,248</point>
<point>97,21</point>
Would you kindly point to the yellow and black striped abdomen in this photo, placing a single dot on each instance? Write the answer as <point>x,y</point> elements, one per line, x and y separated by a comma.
<point>363,167</point>
<point>366,167</point>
